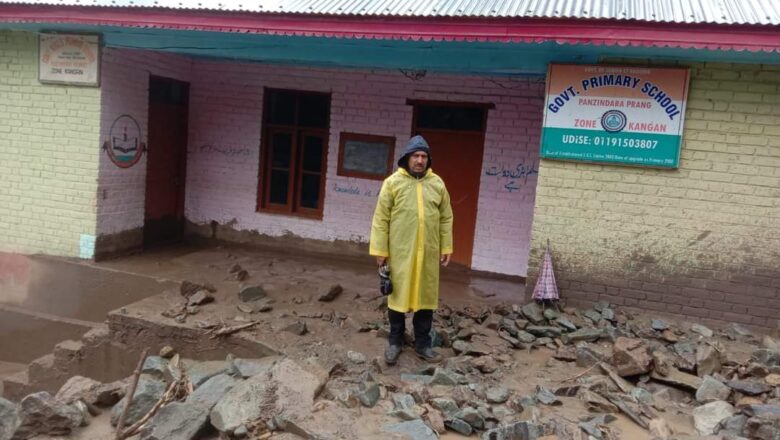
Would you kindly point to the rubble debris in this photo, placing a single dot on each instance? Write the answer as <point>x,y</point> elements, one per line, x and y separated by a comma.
<point>702,330</point>
<point>298,327</point>
<point>763,427</point>
<point>331,294</point>
<point>630,357</point>
<point>519,430</point>
<point>707,417</point>
<point>678,378</point>
<point>712,390</point>
<point>546,397</point>
<point>251,293</point>
<point>413,430</point>
<point>708,360</point>
<point>659,324</point>
<point>749,387</point>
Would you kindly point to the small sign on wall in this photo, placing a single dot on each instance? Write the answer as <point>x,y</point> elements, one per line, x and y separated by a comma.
<point>69,59</point>
<point>615,114</point>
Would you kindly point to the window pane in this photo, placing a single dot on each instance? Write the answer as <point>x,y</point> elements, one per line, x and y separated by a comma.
<point>281,107</point>
<point>281,149</point>
<point>310,191</point>
<point>279,185</point>
<point>312,154</point>
<point>444,117</point>
<point>313,110</point>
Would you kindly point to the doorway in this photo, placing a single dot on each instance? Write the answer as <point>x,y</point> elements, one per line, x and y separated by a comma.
<point>166,160</point>
<point>455,133</point>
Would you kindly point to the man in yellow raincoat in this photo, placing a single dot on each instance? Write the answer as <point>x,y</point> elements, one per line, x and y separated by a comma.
<point>412,233</point>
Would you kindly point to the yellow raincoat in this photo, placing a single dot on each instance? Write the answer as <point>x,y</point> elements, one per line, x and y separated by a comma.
<point>412,226</point>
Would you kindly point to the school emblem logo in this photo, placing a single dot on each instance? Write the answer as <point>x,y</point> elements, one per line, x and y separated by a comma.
<point>124,146</point>
<point>614,121</point>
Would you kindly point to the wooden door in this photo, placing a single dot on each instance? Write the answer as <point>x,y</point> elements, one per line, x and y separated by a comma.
<point>456,152</point>
<point>166,160</point>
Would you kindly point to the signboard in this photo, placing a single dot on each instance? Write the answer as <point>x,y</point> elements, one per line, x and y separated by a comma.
<point>365,156</point>
<point>69,59</point>
<point>124,146</point>
<point>621,115</point>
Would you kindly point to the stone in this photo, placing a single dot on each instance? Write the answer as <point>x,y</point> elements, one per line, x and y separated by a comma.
<point>773,380</point>
<point>707,417</point>
<point>749,387</point>
<point>763,427</point>
<point>412,430</point>
<point>287,390</point>
<point>78,387</point>
<point>417,378</point>
<point>595,402</point>
<point>686,355</point>
<point>9,419</point>
<point>758,409</point>
<point>460,346</point>
<point>770,343</point>
<point>708,360</point>
<point>711,390</point>
<point>477,348</point>
<point>669,336</point>
<point>155,366</point>
<point>533,313</point>
<point>566,324</point>
<point>110,393</point>
<point>485,364</point>
<point>765,356</point>
<point>459,426</point>
<point>546,397</point>
<point>241,432</point>
<point>600,306</point>
<point>544,331</point>
<point>525,337</point>
<point>587,357</point>
<point>592,425</point>
<point>251,293</point>
<point>446,405</point>
<point>331,294</point>
<point>200,297</point>
<point>566,354</point>
<point>167,352</point>
<point>147,393</point>
<point>678,378</point>
<point>592,315</point>
<point>659,324</point>
<point>368,394</point>
<point>446,377</point>
<point>497,394</point>
<point>521,324</point>
<point>297,327</point>
<point>252,367</point>
<point>551,314</point>
<point>732,425</point>
<point>435,419</point>
<point>356,357</point>
<point>630,357</point>
<point>200,372</point>
<point>642,395</point>
<point>176,421</point>
<point>583,334</point>
<point>40,413</point>
<point>524,430</point>
<point>608,314</point>
<point>212,391</point>
<point>403,401</point>
<point>471,416</point>
<point>702,330</point>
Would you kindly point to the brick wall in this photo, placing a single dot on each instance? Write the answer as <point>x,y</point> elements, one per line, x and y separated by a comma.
<point>699,242</point>
<point>125,84</point>
<point>225,128</point>
<point>49,146</point>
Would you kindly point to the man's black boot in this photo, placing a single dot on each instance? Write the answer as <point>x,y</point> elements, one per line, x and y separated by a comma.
<point>392,352</point>
<point>429,355</point>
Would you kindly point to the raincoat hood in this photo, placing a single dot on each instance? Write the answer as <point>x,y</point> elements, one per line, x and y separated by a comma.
<point>417,143</point>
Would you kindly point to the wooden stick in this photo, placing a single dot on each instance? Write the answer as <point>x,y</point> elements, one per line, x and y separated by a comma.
<point>166,398</point>
<point>129,397</point>
<point>580,374</point>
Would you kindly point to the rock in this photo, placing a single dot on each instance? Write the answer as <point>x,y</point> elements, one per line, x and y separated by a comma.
<point>368,394</point>
<point>497,394</point>
<point>147,393</point>
<point>471,416</point>
<point>155,366</point>
<point>702,330</point>
<point>595,402</point>
<point>760,409</point>
<point>566,324</point>
<point>608,314</point>
<point>297,327</point>
<point>110,393</point>
<point>732,425</point>
<point>167,352</point>
<point>176,421</point>
<point>551,314</point>
<point>212,391</point>
<point>593,425</point>
<point>403,401</point>
<point>533,313</point>
<point>200,297</point>
<point>445,405</point>
<point>287,390</point>
<point>331,294</point>
<point>252,367</point>
<point>587,357</point>
<point>544,331</point>
<point>566,354</point>
<point>763,427</point>
<point>749,387</point>
<point>659,324</point>
<point>707,360</point>
<point>417,378</point>
<point>592,315</point>
<point>492,322</point>
<point>40,413</point>
<point>412,430</point>
<point>435,419</point>
<point>711,390</point>
<point>356,358</point>
<point>521,324</point>
<point>686,352</point>
<point>446,377</point>
<point>769,343</point>
<point>78,387</point>
<point>200,372</point>
<point>643,396</point>
<point>9,419</point>
<point>583,334</point>
<point>546,397</point>
<point>241,432</point>
<point>515,431</point>
<point>525,337</point>
<point>459,426</point>
<point>251,293</point>
<point>600,306</point>
<point>676,377</point>
<point>706,418</point>
<point>460,347</point>
<point>630,357</point>
<point>669,336</point>
<point>770,358</point>
<point>773,380</point>
<point>485,364</point>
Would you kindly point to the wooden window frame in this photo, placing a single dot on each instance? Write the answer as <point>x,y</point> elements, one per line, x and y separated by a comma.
<point>295,176</point>
<point>415,103</point>
<point>344,137</point>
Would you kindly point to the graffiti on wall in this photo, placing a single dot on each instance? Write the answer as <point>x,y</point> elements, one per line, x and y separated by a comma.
<point>353,190</point>
<point>513,177</point>
<point>228,151</point>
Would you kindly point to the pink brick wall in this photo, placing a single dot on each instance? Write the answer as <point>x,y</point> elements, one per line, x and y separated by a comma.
<point>225,128</point>
<point>125,91</point>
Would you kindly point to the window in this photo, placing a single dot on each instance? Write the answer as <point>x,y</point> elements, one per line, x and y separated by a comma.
<point>365,156</point>
<point>295,133</point>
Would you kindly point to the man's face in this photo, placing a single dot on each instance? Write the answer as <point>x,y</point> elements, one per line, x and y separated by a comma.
<point>418,161</point>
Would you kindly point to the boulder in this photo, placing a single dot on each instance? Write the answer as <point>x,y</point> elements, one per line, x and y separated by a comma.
<point>706,418</point>
<point>9,419</point>
<point>78,387</point>
<point>412,430</point>
<point>749,387</point>
<point>533,313</point>
<point>176,421</point>
<point>212,391</point>
<point>712,390</point>
<point>630,357</point>
<point>763,427</point>
<point>708,360</point>
<point>40,413</point>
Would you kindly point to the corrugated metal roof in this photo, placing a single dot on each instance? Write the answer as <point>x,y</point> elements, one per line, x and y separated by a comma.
<point>755,12</point>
